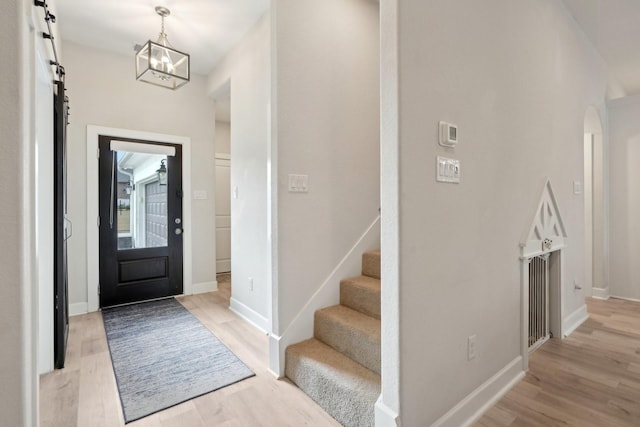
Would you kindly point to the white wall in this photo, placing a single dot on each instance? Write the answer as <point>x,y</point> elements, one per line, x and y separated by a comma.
<point>599,256</point>
<point>44,212</point>
<point>624,137</point>
<point>103,91</point>
<point>223,137</point>
<point>596,206</point>
<point>247,68</point>
<point>326,125</point>
<point>12,300</point>
<point>517,78</point>
<point>18,293</point>
<point>388,405</point>
<point>588,213</point>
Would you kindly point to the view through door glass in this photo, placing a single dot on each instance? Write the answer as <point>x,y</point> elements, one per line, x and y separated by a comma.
<point>142,201</point>
<point>140,220</point>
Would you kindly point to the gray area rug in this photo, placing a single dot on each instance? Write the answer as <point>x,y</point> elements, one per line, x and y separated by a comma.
<point>162,356</point>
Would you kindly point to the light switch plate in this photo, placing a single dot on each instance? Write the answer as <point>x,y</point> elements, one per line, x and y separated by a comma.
<point>200,195</point>
<point>577,187</point>
<point>447,170</point>
<point>298,183</point>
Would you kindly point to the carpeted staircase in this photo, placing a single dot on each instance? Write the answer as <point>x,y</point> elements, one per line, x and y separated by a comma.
<point>340,367</point>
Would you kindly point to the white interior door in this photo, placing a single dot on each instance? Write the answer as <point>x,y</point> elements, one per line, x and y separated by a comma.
<point>223,213</point>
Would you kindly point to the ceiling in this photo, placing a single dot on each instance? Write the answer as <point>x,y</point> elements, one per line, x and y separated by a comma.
<point>613,26</point>
<point>206,29</point>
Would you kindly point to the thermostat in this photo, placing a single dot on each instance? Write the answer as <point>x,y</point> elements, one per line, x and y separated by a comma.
<point>448,134</point>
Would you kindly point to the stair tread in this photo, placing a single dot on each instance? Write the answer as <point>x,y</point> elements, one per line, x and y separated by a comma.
<point>345,389</point>
<point>347,316</point>
<point>350,332</point>
<point>334,363</point>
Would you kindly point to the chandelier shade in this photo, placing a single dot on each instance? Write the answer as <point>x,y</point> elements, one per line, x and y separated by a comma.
<point>160,64</point>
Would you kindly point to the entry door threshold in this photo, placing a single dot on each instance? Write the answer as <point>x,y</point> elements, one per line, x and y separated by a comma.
<point>141,301</point>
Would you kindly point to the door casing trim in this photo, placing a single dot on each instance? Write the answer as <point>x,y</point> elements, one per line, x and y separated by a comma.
<point>93,249</point>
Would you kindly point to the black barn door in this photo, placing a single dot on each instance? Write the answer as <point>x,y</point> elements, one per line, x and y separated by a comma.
<point>61,226</point>
<point>140,220</point>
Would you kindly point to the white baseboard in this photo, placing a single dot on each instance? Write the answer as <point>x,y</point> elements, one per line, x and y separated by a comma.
<point>472,407</point>
<point>78,308</point>
<point>328,294</point>
<point>600,293</point>
<point>223,266</point>
<point>625,298</point>
<point>250,315</point>
<point>201,288</point>
<point>575,319</point>
<point>276,358</point>
<point>385,417</point>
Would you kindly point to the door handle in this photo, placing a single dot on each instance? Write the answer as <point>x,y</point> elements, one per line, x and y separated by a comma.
<point>68,229</point>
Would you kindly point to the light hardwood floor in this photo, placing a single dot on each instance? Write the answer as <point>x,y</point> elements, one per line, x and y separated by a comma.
<point>591,378</point>
<point>84,393</point>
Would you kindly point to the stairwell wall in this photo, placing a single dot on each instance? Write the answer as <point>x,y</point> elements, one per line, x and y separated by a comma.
<point>247,69</point>
<point>517,78</point>
<point>326,126</point>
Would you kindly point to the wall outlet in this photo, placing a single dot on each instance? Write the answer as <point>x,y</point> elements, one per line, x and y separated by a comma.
<point>251,283</point>
<point>471,347</point>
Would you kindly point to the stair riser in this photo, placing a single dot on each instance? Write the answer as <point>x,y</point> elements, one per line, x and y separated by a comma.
<point>361,347</point>
<point>371,264</point>
<point>366,301</point>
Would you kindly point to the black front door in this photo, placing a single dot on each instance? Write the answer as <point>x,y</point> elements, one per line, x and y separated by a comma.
<point>140,220</point>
